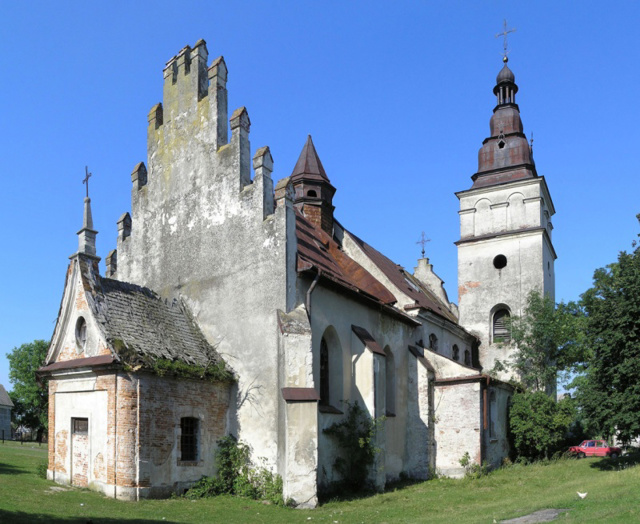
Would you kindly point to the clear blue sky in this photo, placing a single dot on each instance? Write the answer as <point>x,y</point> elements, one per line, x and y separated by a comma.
<point>397,96</point>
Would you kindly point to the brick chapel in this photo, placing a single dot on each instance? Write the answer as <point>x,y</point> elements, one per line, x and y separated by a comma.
<point>233,305</point>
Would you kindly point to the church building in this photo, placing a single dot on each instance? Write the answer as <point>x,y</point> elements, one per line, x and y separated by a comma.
<point>233,305</point>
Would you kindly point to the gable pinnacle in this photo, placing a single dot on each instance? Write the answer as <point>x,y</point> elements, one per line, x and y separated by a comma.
<point>87,235</point>
<point>309,162</point>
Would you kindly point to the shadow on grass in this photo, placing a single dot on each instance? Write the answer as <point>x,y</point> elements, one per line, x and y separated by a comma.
<point>8,469</point>
<point>609,464</point>
<point>339,494</point>
<point>20,517</point>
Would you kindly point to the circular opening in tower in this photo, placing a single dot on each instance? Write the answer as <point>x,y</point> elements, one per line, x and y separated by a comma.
<point>500,261</point>
<point>81,334</point>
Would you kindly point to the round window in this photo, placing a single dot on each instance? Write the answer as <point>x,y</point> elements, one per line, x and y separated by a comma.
<point>500,261</point>
<point>81,334</point>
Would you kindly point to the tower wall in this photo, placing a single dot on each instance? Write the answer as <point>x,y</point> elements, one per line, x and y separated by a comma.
<point>513,221</point>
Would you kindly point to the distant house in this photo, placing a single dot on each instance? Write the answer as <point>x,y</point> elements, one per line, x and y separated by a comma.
<point>5,413</point>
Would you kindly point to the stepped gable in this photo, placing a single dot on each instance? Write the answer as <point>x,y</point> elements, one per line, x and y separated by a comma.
<point>423,298</point>
<point>316,249</point>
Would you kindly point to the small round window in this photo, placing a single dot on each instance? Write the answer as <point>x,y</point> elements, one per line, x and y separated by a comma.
<point>81,334</point>
<point>500,261</point>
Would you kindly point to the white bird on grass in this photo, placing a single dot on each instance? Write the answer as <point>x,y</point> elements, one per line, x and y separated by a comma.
<point>581,495</point>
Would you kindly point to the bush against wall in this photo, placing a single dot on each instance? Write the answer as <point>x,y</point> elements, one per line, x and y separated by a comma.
<point>538,424</point>
<point>355,435</point>
<point>237,475</point>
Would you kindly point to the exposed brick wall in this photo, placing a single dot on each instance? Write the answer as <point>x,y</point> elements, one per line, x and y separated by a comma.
<point>126,429</point>
<point>80,460</point>
<point>53,386</point>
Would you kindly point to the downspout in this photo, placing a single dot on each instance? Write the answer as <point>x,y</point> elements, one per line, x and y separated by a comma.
<point>115,439</point>
<point>311,288</point>
<point>138,440</point>
<point>485,419</point>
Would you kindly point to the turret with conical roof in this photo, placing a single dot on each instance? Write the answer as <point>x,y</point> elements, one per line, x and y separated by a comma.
<point>505,155</point>
<point>313,190</point>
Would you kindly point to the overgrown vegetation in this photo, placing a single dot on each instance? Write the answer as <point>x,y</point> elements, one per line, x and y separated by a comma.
<point>539,425</point>
<point>237,475</point>
<point>355,435</point>
<point>215,369</point>
<point>473,470</point>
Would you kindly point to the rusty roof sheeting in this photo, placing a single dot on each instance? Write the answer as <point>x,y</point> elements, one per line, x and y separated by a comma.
<point>406,282</point>
<point>316,249</point>
<point>309,164</point>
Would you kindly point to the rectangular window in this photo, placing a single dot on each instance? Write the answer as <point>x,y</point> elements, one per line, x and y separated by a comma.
<point>188,439</point>
<point>79,426</point>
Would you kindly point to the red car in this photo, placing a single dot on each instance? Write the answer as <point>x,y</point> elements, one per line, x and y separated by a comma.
<point>595,448</point>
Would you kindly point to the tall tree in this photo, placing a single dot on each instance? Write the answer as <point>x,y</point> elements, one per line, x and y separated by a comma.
<point>548,340</point>
<point>29,397</point>
<point>610,393</point>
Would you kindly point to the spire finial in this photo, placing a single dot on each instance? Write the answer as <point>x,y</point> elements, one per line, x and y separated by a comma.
<point>504,34</point>
<point>423,241</point>
<point>86,178</point>
<point>531,142</point>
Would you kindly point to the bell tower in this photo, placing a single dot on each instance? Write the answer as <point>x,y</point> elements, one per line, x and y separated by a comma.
<point>505,249</point>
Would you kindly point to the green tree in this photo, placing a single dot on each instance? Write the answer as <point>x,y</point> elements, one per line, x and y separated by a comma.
<point>30,398</point>
<point>610,391</point>
<point>538,424</point>
<point>548,339</point>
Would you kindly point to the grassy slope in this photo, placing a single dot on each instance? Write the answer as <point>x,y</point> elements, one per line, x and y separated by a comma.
<point>614,496</point>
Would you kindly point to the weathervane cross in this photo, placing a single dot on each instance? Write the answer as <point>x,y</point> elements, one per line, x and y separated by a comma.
<point>86,178</point>
<point>505,44</point>
<point>423,240</point>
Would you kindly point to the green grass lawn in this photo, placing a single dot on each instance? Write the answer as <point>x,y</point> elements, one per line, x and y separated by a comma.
<point>613,496</point>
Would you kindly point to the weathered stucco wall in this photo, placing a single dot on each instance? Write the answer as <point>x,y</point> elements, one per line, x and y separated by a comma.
<point>203,230</point>
<point>458,425</point>
<point>513,220</point>
<point>131,449</point>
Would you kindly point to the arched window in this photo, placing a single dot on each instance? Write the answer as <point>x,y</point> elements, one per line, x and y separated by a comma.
<point>312,193</point>
<point>467,357</point>
<point>390,382</point>
<point>189,439</point>
<point>330,379</point>
<point>324,373</point>
<point>433,342</point>
<point>455,352</point>
<point>501,331</point>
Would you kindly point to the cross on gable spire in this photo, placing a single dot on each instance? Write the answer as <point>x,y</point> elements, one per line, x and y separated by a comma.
<point>86,178</point>
<point>504,34</point>
<point>423,241</point>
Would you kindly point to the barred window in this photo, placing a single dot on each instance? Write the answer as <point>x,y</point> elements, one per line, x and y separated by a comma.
<point>189,439</point>
<point>80,426</point>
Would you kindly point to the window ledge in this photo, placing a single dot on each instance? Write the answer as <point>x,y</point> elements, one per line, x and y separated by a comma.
<point>327,408</point>
<point>189,463</point>
<point>493,440</point>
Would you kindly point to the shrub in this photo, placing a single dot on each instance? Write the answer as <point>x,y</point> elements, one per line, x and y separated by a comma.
<point>41,469</point>
<point>538,425</point>
<point>355,435</point>
<point>238,476</point>
<point>473,470</point>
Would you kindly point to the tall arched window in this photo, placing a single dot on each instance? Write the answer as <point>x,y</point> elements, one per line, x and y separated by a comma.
<point>501,329</point>
<point>330,379</point>
<point>324,373</point>
<point>455,352</point>
<point>433,342</point>
<point>390,382</point>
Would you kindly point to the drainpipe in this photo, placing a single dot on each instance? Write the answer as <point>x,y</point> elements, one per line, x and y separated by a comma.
<point>311,288</point>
